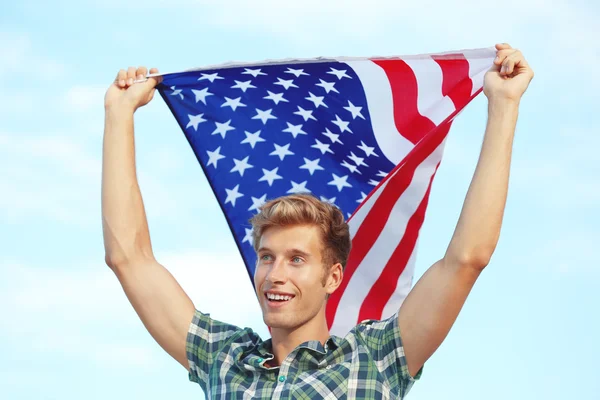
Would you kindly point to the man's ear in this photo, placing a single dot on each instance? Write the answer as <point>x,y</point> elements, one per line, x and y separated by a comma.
<point>334,278</point>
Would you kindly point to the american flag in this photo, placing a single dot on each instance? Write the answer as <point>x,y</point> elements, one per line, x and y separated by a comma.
<point>366,134</point>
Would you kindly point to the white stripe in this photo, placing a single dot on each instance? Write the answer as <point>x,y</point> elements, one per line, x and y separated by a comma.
<point>357,219</point>
<point>431,103</point>
<point>380,102</point>
<point>403,286</point>
<point>375,260</point>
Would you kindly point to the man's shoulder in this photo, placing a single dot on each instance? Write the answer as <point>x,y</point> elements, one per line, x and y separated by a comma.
<point>211,330</point>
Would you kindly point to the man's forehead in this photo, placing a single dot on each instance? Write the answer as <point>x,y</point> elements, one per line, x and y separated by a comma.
<point>303,240</point>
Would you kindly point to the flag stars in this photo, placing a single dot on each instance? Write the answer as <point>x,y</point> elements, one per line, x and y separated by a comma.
<point>285,83</point>
<point>281,151</point>
<point>233,195</point>
<point>210,77</point>
<point>233,103</point>
<point>253,72</point>
<point>264,115</point>
<point>328,86</point>
<point>330,201</point>
<point>241,165</point>
<point>332,136</point>
<point>351,168</point>
<point>252,138</point>
<point>201,95</point>
<point>257,203</point>
<point>276,97</point>
<point>359,161</point>
<point>340,182</point>
<point>296,72</point>
<point>177,92</point>
<point>354,110</point>
<point>270,176</point>
<point>195,120</point>
<point>243,85</point>
<point>306,114</point>
<point>248,237</point>
<point>340,73</point>
<point>214,157</point>
<point>373,182</point>
<point>363,198</point>
<point>343,125</point>
<point>298,187</point>
<point>323,147</point>
<point>311,165</point>
<point>295,130</point>
<point>369,151</point>
<point>223,128</point>
<point>382,174</point>
<point>317,100</point>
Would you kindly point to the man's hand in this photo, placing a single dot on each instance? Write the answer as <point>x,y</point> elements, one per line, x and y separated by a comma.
<point>510,75</point>
<point>124,93</point>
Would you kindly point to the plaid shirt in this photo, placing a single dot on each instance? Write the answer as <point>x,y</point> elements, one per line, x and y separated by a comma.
<point>229,363</point>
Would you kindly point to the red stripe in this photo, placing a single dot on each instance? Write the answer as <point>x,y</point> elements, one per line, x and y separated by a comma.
<point>409,122</point>
<point>456,82</point>
<point>372,225</point>
<point>385,286</point>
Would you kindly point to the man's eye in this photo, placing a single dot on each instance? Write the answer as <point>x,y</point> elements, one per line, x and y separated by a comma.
<point>296,260</point>
<point>265,257</point>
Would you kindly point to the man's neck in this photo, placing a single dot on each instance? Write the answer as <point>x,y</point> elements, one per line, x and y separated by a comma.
<point>284,341</point>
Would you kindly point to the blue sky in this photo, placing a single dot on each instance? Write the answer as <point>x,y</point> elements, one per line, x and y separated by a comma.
<point>528,330</point>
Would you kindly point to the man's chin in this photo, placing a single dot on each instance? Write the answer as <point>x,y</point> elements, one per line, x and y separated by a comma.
<point>278,321</point>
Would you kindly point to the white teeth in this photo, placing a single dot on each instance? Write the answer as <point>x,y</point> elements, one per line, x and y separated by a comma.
<point>278,297</point>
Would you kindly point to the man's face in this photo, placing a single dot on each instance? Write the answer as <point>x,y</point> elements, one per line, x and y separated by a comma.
<point>290,276</point>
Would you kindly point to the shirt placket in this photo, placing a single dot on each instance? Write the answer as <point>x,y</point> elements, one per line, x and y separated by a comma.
<point>284,379</point>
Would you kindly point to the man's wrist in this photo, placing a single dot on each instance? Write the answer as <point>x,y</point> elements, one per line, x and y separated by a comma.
<point>503,103</point>
<point>121,110</point>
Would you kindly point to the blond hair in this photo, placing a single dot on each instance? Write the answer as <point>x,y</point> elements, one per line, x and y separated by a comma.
<point>305,209</point>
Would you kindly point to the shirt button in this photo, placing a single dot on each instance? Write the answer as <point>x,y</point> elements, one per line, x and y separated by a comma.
<point>281,378</point>
<point>328,367</point>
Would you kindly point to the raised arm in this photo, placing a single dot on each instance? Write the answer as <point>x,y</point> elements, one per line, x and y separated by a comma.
<point>429,311</point>
<point>162,305</point>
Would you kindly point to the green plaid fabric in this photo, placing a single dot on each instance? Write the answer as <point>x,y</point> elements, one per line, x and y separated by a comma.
<point>229,363</point>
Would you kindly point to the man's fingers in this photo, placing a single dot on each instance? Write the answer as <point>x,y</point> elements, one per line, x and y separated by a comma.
<point>502,54</point>
<point>511,62</point>
<point>121,78</point>
<point>503,46</point>
<point>141,73</point>
<point>130,75</point>
<point>156,79</point>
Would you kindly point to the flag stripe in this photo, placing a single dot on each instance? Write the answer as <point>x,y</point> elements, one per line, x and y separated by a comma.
<point>380,103</point>
<point>381,291</point>
<point>409,122</point>
<point>431,100</point>
<point>456,82</point>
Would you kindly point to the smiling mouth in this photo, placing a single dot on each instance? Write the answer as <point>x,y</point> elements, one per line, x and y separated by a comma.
<point>278,298</point>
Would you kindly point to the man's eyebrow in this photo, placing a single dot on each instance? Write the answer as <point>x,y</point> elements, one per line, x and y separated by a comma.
<point>289,251</point>
<point>299,252</point>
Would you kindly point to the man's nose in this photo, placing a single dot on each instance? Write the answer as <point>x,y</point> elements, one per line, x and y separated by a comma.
<point>277,274</point>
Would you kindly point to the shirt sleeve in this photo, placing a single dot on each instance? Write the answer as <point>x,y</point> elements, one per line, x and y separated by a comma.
<point>206,338</point>
<point>384,341</point>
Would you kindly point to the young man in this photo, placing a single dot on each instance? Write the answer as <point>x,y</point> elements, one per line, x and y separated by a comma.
<point>302,246</point>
